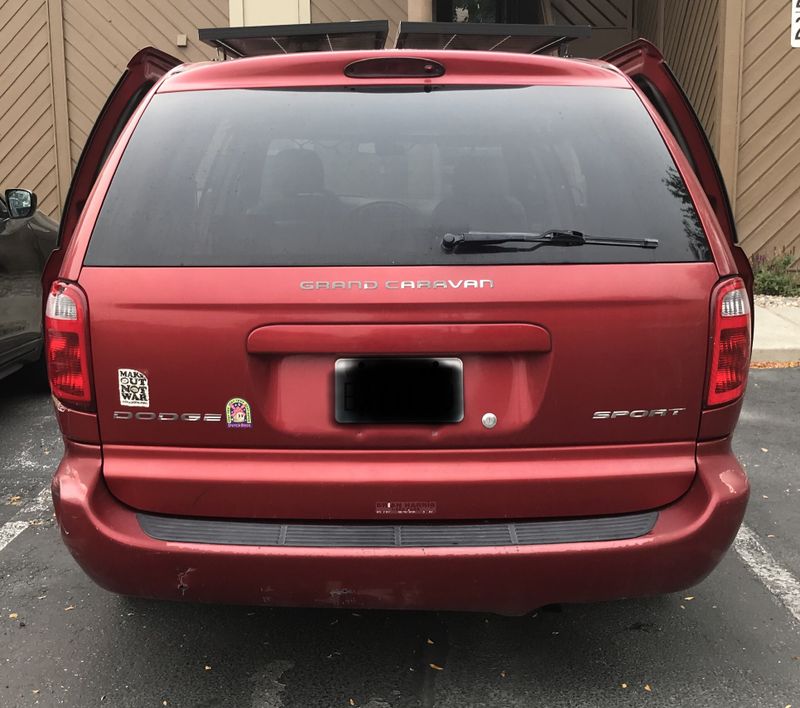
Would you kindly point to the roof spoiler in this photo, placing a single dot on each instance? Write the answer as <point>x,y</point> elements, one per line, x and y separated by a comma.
<point>235,42</point>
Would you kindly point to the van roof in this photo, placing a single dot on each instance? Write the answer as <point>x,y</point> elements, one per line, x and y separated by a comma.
<point>327,69</point>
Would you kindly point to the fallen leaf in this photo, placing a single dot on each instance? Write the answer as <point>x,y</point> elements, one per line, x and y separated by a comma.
<point>502,674</point>
<point>647,687</point>
<point>623,685</point>
<point>436,667</point>
<point>352,702</point>
<point>71,607</point>
<point>13,616</point>
<point>689,598</point>
<point>429,641</point>
<point>36,690</point>
<point>774,365</point>
<point>15,500</point>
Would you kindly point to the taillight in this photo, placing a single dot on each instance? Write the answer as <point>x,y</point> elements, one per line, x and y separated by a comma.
<point>730,347</point>
<point>67,346</point>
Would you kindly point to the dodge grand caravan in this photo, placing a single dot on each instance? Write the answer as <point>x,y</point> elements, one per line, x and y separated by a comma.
<point>401,329</point>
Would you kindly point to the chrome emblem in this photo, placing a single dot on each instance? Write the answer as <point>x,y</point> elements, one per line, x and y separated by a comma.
<point>168,417</point>
<point>638,413</point>
<point>396,284</point>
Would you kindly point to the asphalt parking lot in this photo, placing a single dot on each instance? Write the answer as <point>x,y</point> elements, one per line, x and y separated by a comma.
<point>728,642</point>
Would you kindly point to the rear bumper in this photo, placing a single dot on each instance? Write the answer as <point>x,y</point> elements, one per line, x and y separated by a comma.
<point>686,543</point>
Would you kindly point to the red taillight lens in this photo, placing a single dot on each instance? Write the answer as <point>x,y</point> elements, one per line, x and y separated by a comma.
<point>67,346</point>
<point>730,353</point>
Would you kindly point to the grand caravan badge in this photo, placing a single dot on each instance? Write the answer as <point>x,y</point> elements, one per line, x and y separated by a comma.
<point>463,284</point>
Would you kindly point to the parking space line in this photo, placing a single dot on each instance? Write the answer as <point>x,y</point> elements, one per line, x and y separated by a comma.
<point>10,530</point>
<point>22,519</point>
<point>777,579</point>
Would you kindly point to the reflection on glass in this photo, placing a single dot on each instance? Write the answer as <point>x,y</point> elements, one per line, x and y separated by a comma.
<point>691,220</point>
<point>475,11</point>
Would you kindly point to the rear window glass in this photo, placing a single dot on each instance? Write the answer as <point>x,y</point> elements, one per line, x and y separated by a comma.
<point>257,177</point>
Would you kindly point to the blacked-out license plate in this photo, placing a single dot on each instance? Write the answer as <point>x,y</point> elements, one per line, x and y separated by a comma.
<point>399,390</point>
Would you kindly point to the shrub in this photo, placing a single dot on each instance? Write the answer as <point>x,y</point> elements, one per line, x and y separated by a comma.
<point>773,276</point>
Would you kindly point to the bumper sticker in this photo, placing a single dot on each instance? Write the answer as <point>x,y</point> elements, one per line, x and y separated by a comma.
<point>237,413</point>
<point>133,388</point>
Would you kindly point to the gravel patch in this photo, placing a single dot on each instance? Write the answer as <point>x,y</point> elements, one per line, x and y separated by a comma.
<point>777,301</point>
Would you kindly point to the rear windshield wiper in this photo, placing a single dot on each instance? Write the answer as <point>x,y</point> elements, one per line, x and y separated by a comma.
<point>553,237</point>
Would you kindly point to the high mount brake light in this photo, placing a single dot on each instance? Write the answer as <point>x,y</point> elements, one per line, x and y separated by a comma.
<point>730,346</point>
<point>67,346</point>
<point>394,68</point>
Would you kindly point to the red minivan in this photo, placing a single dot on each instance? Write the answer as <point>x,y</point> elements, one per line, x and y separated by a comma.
<point>398,329</point>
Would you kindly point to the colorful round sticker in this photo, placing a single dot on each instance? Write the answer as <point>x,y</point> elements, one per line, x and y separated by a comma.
<point>237,413</point>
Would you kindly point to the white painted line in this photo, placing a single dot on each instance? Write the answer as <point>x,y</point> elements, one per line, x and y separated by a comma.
<point>11,529</point>
<point>41,502</point>
<point>779,581</point>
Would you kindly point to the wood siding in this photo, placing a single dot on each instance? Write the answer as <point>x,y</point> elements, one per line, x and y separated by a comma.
<point>647,14</point>
<point>597,13</point>
<point>768,184</point>
<point>100,36</point>
<point>27,145</point>
<point>690,44</point>
<point>610,21</point>
<point>343,10</point>
<point>59,60</point>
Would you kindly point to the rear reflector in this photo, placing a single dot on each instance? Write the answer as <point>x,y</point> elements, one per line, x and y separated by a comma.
<point>730,355</point>
<point>67,346</point>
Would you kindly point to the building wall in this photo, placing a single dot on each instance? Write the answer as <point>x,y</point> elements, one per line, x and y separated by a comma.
<point>647,20</point>
<point>268,12</point>
<point>27,144</point>
<point>736,65</point>
<point>611,22</point>
<point>687,32</point>
<point>100,36</point>
<point>768,183</point>
<point>343,10</point>
<point>59,60</point>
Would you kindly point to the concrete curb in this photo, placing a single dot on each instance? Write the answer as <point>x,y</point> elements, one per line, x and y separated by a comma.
<point>777,334</point>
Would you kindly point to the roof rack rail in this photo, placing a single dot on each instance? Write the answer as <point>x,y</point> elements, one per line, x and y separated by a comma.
<point>525,39</point>
<point>235,42</point>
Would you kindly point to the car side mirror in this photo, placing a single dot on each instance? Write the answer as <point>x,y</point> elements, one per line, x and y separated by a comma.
<point>21,203</point>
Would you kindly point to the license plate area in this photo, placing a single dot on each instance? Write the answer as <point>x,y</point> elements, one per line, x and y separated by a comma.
<point>397,390</point>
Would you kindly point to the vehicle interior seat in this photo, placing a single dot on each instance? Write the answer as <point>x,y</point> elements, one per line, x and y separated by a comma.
<point>295,189</point>
<point>480,199</point>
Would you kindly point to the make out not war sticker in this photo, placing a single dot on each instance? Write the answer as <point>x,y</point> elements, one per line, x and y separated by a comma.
<point>237,413</point>
<point>133,388</point>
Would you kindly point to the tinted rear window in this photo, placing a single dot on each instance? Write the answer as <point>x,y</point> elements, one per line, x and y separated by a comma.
<point>377,177</point>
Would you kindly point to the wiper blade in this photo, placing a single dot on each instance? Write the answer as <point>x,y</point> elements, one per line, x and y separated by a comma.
<point>553,237</point>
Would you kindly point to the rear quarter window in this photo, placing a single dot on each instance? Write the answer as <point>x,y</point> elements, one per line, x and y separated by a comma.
<point>264,177</point>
